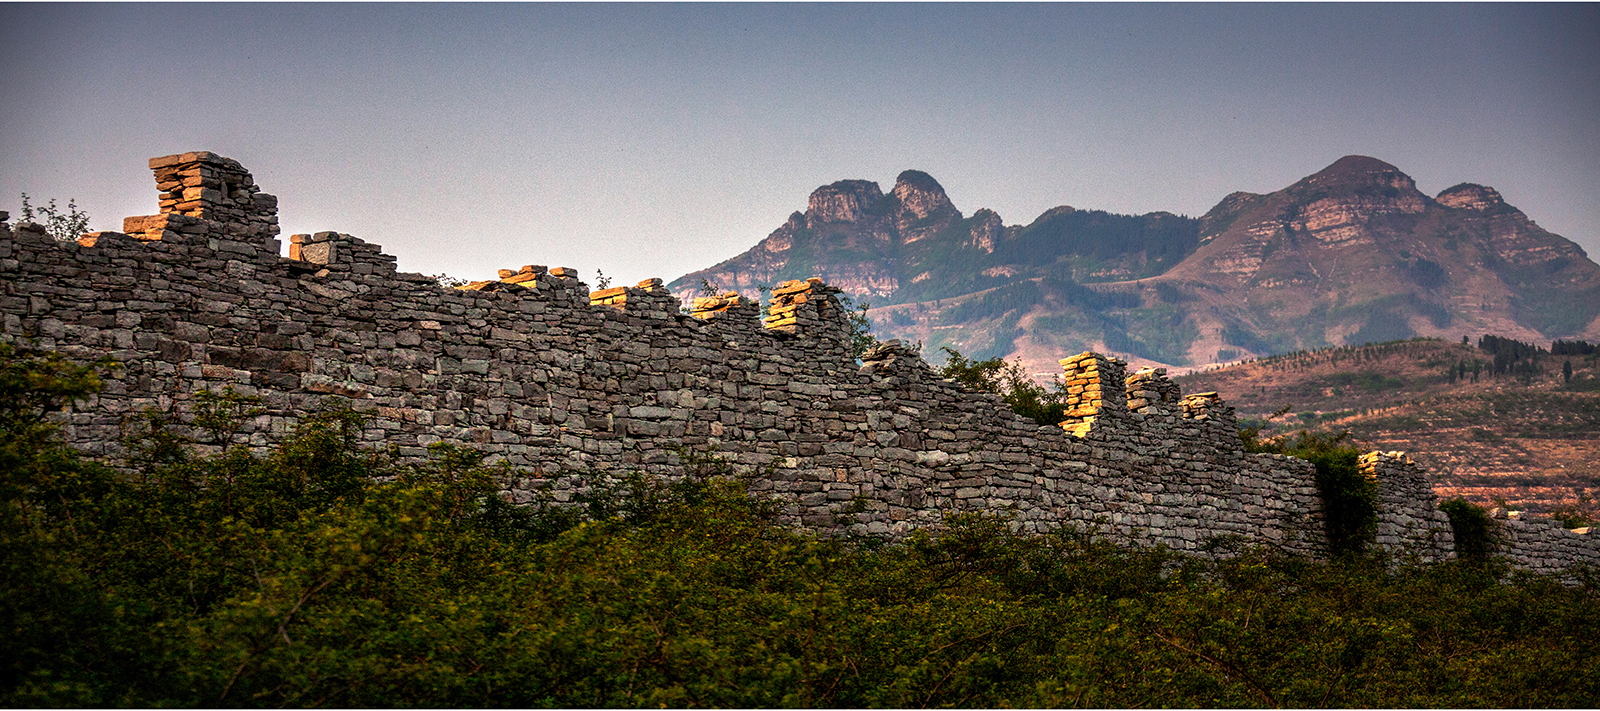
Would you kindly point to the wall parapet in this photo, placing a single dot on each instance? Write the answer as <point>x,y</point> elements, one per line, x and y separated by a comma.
<point>536,369</point>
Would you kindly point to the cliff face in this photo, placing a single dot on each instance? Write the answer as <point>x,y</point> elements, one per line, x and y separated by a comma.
<point>851,233</point>
<point>1351,254</point>
<point>1355,253</point>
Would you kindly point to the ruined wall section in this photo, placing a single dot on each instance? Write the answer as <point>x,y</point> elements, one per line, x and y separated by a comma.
<point>1545,546</point>
<point>556,379</point>
<point>1410,524</point>
<point>539,370</point>
<point>1174,468</point>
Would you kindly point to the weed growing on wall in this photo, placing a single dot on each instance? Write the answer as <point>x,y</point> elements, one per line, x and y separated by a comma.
<point>64,226</point>
<point>855,312</point>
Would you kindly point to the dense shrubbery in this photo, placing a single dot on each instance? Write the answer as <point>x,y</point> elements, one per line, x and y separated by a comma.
<point>323,575</point>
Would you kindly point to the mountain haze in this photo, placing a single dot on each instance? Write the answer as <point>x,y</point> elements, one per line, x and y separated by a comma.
<point>1351,254</point>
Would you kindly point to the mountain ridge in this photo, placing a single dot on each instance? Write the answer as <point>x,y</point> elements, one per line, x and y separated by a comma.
<point>1349,254</point>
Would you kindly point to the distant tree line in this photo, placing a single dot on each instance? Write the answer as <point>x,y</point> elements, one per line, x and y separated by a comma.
<point>1511,356</point>
<point>1574,348</point>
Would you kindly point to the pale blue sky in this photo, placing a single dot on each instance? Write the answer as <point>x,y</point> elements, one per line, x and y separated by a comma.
<point>653,140</point>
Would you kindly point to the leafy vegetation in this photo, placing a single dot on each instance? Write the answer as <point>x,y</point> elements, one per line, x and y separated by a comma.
<point>1349,497</point>
<point>1047,406</point>
<point>1475,533</point>
<point>64,226</point>
<point>319,574</point>
<point>855,314</point>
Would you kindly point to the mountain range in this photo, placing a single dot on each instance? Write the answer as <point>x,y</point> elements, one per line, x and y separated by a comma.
<point>1354,253</point>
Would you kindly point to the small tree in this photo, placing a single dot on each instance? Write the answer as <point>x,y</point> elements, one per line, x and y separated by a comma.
<point>861,338</point>
<point>64,227</point>
<point>1476,534</point>
<point>1011,382</point>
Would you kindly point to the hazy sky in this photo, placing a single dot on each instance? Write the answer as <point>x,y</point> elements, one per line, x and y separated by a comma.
<point>653,140</point>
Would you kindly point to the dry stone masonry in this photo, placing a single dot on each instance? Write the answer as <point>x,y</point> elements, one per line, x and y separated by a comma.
<point>538,370</point>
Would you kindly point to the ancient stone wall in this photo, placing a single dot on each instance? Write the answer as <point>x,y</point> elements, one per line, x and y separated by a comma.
<point>536,369</point>
<point>1544,545</point>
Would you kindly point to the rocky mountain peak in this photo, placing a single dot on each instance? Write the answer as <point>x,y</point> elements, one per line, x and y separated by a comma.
<point>920,195</point>
<point>922,208</point>
<point>1471,196</point>
<point>987,228</point>
<point>1358,172</point>
<point>844,201</point>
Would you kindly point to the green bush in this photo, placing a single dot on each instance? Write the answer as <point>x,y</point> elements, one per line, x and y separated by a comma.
<point>318,574</point>
<point>1011,382</point>
<point>1349,497</point>
<point>1475,533</point>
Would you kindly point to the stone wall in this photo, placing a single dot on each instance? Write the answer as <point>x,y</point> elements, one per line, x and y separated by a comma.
<point>537,369</point>
<point>1544,545</point>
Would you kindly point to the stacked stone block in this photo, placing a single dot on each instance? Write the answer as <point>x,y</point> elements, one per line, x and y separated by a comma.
<point>526,277</point>
<point>649,296</point>
<point>796,301</point>
<point>710,306</point>
<point>1151,392</point>
<point>533,371</point>
<point>334,252</point>
<point>170,227</point>
<point>1095,390</point>
<point>1208,406</point>
<point>207,186</point>
<point>1410,524</point>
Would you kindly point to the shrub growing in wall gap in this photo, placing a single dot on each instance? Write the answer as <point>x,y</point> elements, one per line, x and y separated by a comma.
<point>1011,382</point>
<point>1349,497</point>
<point>1475,533</point>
